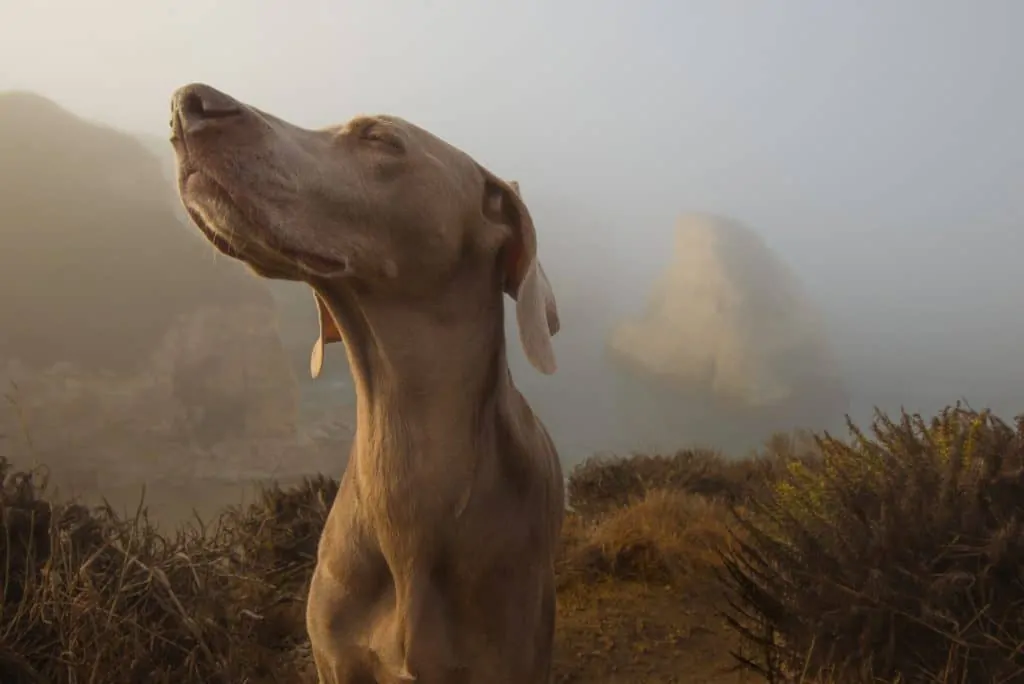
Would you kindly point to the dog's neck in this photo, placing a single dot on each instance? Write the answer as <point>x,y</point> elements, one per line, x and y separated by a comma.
<point>429,374</point>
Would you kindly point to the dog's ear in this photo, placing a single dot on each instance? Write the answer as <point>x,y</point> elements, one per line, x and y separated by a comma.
<point>329,332</point>
<point>525,280</point>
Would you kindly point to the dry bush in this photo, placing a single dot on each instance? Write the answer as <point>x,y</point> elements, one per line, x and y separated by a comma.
<point>666,537</point>
<point>899,556</point>
<point>89,597</point>
<point>601,484</point>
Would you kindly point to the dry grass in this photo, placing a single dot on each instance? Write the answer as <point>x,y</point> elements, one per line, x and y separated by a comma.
<point>603,483</point>
<point>89,597</point>
<point>894,556</point>
<point>668,536</point>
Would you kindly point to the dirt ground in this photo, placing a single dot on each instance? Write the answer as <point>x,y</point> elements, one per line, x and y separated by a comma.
<point>623,632</point>
<point>634,633</point>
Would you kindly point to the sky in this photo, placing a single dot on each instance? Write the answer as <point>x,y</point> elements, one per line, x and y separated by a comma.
<point>876,145</point>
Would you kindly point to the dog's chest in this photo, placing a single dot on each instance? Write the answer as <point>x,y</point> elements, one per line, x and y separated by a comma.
<point>402,489</point>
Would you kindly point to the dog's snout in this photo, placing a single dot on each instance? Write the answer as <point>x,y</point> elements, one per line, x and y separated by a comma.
<point>196,106</point>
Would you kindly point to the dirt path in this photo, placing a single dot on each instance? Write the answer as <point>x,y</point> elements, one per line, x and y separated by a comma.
<point>630,633</point>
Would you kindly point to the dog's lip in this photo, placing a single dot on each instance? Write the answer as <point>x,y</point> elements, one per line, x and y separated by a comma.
<point>313,264</point>
<point>319,266</point>
<point>222,244</point>
<point>191,198</point>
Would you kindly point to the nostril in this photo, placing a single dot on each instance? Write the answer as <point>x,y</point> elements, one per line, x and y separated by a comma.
<point>218,109</point>
<point>198,106</point>
<point>192,106</point>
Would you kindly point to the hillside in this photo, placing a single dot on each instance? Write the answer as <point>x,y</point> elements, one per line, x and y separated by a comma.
<point>121,329</point>
<point>92,244</point>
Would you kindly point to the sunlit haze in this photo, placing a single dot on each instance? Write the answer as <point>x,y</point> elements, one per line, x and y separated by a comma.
<point>877,147</point>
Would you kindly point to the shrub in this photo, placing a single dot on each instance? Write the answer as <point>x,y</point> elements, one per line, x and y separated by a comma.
<point>600,484</point>
<point>666,537</point>
<point>899,555</point>
<point>87,596</point>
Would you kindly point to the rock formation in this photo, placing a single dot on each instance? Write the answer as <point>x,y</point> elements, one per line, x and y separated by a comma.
<point>729,348</point>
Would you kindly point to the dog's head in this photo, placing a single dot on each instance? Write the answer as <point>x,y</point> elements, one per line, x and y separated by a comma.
<point>377,200</point>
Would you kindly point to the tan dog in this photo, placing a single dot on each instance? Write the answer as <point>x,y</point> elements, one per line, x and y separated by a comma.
<point>436,561</point>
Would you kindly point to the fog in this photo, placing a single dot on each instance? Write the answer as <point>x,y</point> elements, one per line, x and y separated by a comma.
<point>876,147</point>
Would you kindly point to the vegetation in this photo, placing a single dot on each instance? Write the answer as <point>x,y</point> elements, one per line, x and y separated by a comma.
<point>894,555</point>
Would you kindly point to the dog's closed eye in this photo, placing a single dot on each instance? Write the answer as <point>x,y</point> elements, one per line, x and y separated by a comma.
<point>377,134</point>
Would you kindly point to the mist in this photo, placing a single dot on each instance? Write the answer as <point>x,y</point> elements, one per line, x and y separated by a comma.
<point>875,147</point>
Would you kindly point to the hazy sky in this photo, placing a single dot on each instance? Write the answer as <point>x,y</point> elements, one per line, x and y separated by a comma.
<point>877,145</point>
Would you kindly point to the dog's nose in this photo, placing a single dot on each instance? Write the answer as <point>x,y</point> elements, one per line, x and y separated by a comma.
<point>195,106</point>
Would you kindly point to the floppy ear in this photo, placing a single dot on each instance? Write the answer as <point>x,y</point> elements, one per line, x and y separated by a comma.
<point>328,333</point>
<point>525,280</point>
